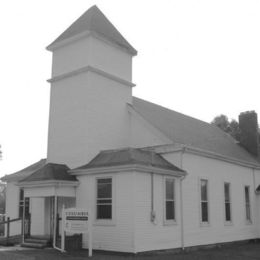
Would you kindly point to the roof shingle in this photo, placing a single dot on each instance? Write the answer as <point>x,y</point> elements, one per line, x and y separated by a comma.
<point>186,130</point>
<point>17,176</point>
<point>129,156</point>
<point>51,171</point>
<point>94,20</point>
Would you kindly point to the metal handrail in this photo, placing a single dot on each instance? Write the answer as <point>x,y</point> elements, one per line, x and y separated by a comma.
<point>10,220</point>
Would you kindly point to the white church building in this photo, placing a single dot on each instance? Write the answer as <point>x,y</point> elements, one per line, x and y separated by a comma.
<point>153,178</point>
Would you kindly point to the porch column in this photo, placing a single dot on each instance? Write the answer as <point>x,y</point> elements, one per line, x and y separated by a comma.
<point>23,218</point>
<point>55,221</point>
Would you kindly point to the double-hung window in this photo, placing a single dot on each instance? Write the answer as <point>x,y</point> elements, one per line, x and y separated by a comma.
<point>247,204</point>
<point>228,217</point>
<point>169,200</point>
<point>104,198</point>
<point>204,207</point>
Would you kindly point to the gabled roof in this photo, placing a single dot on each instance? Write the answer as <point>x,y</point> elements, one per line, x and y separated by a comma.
<point>129,156</point>
<point>94,20</point>
<point>51,172</point>
<point>17,176</point>
<point>186,130</point>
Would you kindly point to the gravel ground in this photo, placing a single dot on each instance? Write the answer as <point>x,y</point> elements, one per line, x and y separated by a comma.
<point>250,251</point>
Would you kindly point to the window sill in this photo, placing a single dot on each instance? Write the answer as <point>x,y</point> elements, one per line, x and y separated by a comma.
<point>169,223</point>
<point>104,222</point>
<point>228,223</point>
<point>204,224</point>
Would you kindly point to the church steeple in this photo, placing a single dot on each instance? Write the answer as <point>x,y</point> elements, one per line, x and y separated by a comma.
<point>93,21</point>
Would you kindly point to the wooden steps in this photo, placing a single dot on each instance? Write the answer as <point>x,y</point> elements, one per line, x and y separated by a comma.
<point>36,242</point>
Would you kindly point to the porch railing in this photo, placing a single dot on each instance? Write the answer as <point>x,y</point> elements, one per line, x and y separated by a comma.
<point>9,238</point>
<point>6,223</point>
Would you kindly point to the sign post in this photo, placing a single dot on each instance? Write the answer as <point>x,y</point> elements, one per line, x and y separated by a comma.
<point>76,221</point>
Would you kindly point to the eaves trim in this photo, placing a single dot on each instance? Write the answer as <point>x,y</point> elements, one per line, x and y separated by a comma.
<point>48,183</point>
<point>163,149</point>
<point>127,168</point>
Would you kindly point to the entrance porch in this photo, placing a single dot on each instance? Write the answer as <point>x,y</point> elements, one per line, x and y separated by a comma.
<point>48,192</point>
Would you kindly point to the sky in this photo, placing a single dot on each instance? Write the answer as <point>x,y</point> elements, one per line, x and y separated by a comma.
<point>197,57</point>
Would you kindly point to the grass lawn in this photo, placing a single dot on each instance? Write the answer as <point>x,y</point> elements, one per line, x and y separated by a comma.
<point>248,251</point>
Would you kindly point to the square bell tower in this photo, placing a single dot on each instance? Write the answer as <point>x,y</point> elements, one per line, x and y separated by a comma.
<point>91,84</point>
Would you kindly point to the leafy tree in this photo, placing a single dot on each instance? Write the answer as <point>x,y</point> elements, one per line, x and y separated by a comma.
<point>222,122</point>
<point>230,127</point>
<point>234,129</point>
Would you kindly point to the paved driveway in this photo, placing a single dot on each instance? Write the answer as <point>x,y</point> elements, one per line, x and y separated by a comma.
<point>238,252</point>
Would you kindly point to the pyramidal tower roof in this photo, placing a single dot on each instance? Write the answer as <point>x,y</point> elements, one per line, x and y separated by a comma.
<point>93,20</point>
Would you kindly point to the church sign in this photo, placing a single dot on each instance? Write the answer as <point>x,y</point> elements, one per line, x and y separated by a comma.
<point>76,221</point>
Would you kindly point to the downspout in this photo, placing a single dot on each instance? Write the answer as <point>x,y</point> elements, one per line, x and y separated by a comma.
<point>152,199</point>
<point>181,202</point>
<point>254,178</point>
<point>153,214</point>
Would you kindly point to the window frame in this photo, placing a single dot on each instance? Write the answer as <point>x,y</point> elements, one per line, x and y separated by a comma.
<point>227,222</point>
<point>169,221</point>
<point>204,223</point>
<point>248,220</point>
<point>105,222</point>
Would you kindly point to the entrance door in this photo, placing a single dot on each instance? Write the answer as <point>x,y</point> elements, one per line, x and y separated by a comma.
<point>48,217</point>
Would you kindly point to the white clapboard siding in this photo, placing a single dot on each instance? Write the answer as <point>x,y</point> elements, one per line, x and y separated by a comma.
<point>148,235</point>
<point>257,183</point>
<point>216,172</point>
<point>88,110</point>
<point>12,208</point>
<point>118,235</point>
